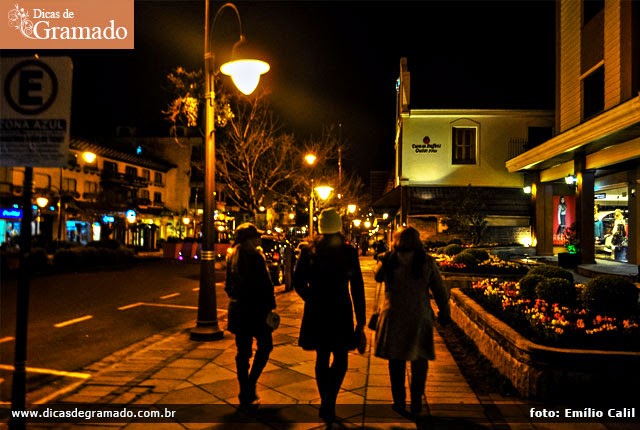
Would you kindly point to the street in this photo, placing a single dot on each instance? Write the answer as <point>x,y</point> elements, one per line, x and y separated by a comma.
<point>76,319</point>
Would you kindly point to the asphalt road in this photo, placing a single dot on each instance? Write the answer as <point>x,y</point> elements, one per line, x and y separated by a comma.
<point>76,319</point>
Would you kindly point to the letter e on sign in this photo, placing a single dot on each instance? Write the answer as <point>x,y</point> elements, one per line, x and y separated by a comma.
<point>36,110</point>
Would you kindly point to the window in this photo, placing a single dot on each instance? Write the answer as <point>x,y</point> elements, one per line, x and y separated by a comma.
<point>157,197</point>
<point>157,178</point>
<point>90,187</point>
<point>464,145</point>
<point>146,174</point>
<point>591,8</point>
<point>538,135</point>
<point>68,184</point>
<point>144,194</point>
<point>593,93</point>
<point>131,172</point>
<point>110,167</point>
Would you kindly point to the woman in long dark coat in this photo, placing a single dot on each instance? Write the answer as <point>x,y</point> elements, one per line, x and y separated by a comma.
<point>329,280</point>
<point>251,294</point>
<point>405,326</point>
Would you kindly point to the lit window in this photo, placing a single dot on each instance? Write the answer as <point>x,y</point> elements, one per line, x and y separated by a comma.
<point>464,145</point>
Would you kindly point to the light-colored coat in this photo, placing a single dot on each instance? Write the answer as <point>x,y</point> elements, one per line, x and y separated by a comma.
<point>405,325</point>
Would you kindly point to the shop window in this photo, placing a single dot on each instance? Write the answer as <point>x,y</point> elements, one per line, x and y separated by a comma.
<point>464,145</point>
<point>593,93</point>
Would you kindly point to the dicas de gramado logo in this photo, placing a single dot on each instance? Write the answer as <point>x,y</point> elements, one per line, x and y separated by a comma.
<point>43,24</point>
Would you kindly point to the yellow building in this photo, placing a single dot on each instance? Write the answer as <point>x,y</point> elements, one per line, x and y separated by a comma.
<point>440,153</point>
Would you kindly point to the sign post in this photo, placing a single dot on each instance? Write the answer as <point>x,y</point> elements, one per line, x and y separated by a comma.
<point>34,132</point>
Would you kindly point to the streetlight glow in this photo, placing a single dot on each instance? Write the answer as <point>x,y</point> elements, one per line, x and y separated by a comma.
<point>245,74</point>
<point>324,191</point>
<point>207,320</point>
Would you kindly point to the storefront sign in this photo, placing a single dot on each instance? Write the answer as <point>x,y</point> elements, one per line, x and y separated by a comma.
<point>11,213</point>
<point>426,147</point>
<point>600,196</point>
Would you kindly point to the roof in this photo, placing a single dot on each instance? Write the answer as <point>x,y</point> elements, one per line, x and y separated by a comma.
<point>121,152</point>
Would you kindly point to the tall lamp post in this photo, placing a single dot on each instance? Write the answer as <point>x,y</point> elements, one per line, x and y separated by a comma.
<point>310,159</point>
<point>245,74</point>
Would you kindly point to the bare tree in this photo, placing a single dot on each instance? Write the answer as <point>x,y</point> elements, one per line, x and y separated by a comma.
<point>256,163</point>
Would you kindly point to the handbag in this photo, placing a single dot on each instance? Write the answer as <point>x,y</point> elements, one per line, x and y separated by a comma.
<point>373,320</point>
<point>273,320</point>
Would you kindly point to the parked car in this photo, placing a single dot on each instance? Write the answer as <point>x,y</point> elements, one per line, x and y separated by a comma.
<point>279,256</point>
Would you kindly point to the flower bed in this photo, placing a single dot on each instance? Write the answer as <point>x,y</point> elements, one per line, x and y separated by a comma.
<point>493,265</point>
<point>553,324</point>
<point>542,372</point>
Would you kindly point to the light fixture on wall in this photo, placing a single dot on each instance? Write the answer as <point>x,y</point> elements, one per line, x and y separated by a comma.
<point>527,189</point>
<point>570,180</point>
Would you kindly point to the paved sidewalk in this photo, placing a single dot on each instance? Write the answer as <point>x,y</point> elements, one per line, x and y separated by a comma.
<point>198,380</point>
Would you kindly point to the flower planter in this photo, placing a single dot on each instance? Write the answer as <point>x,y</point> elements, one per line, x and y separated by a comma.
<point>545,373</point>
<point>569,261</point>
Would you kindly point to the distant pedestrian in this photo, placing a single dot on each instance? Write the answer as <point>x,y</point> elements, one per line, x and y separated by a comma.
<point>250,289</point>
<point>405,328</point>
<point>329,280</point>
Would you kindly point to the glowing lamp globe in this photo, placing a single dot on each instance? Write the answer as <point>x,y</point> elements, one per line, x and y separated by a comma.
<point>245,73</point>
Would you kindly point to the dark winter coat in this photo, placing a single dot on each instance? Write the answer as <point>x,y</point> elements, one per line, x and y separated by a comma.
<point>329,280</point>
<point>249,288</point>
<point>405,325</point>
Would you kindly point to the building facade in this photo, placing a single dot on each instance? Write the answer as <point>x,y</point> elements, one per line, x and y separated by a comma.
<point>441,154</point>
<point>135,191</point>
<point>591,162</point>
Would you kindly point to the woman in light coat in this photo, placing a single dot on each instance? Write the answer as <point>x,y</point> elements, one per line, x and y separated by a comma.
<point>405,327</point>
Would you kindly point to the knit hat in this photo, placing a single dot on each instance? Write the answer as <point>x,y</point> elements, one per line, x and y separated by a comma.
<point>329,222</point>
<point>246,231</point>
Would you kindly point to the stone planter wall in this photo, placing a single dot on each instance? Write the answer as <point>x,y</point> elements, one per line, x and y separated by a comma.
<point>545,373</point>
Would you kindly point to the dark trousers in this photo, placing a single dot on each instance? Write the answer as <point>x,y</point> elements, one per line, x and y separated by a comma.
<point>329,376</point>
<point>419,370</point>
<point>248,375</point>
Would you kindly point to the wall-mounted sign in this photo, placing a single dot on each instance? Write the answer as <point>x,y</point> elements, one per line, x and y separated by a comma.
<point>11,213</point>
<point>600,196</point>
<point>108,219</point>
<point>426,147</point>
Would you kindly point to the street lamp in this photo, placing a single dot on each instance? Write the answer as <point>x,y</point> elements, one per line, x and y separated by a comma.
<point>245,75</point>
<point>310,159</point>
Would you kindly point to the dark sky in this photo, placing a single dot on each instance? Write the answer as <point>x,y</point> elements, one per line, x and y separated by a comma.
<point>332,62</point>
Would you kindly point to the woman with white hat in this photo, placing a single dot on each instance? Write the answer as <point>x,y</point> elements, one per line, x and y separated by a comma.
<point>329,280</point>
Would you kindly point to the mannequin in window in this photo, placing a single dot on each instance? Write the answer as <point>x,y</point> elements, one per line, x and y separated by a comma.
<point>562,215</point>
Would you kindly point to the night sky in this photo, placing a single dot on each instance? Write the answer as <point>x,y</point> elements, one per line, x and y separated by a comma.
<point>332,62</point>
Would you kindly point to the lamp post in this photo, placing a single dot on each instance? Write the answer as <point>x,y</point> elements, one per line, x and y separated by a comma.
<point>245,74</point>
<point>310,159</point>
